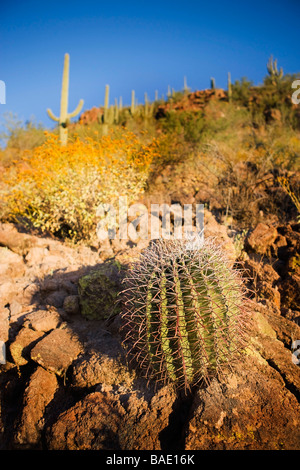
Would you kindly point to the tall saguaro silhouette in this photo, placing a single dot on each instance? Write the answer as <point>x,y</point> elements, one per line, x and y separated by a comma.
<point>64,118</point>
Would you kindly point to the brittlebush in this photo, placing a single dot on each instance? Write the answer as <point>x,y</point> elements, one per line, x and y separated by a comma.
<point>58,189</point>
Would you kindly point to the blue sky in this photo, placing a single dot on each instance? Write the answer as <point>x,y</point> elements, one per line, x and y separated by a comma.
<point>144,46</point>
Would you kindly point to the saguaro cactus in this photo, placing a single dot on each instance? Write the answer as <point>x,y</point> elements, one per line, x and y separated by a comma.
<point>229,89</point>
<point>132,107</point>
<point>184,312</point>
<point>212,83</point>
<point>116,117</point>
<point>106,112</point>
<point>185,86</point>
<point>65,117</point>
<point>273,69</point>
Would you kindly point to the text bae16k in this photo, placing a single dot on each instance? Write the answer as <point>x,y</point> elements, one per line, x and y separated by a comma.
<point>153,459</point>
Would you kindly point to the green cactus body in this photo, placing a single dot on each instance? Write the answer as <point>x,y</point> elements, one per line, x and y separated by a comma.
<point>65,117</point>
<point>184,312</point>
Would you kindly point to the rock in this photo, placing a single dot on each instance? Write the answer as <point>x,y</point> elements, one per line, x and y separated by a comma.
<point>17,242</point>
<point>42,320</point>
<point>50,285</point>
<point>56,299</point>
<point>91,424</point>
<point>71,305</point>
<point>29,291</point>
<point>91,115</point>
<point>36,255</point>
<point>57,350</point>
<point>240,412</point>
<point>4,324</point>
<point>11,264</point>
<point>37,396</point>
<point>261,239</point>
<point>94,368</point>
<point>102,422</point>
<point>21,347</point>
<point>7,293</point>
<point>219,232</point>
<point>290,291</point>
<point>263,326</point>
<point>98,292</point>
<point>265,280</point>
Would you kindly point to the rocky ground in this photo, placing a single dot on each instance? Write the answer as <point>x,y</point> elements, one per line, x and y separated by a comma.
<point>66,383</point>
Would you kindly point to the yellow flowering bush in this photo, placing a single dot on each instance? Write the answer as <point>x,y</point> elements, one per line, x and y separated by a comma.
<point>58,189</point>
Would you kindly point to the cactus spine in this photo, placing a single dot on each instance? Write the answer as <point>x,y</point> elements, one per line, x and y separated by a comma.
<point>184,312</point>
<point>65,117</point>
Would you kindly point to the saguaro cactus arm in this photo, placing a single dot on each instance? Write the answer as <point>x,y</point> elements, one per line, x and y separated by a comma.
<point>52,116</point>
<point>76,110</point>
<point>65,117</point>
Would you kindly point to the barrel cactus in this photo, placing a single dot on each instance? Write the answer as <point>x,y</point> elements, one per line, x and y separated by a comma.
<point>184,312</point>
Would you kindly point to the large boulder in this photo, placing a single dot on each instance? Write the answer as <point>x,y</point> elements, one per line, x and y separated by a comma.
<point>241,412</point>
<point>105,420</point>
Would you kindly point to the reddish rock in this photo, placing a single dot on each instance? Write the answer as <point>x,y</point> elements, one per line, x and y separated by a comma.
<point>98,368</point>
<point>4,324</point>
<point>43,320</point>
<point>92,115</point>
<point>195,101</point>
<point>11,264</point>
<point>261,239</point>
<point>24,342</point>
<point>57,350</point>
<point>38,394</point>
<point>241,413</point>
<point>102,422</point>
<point>91,424</point>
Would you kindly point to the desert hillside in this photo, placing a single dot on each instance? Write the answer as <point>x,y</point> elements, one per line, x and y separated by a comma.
<point>66,382</point>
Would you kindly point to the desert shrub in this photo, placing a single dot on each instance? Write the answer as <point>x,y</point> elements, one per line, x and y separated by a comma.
<point>189,124</point>
<point>21,136</point>
<point>17,137</point>
<point>58,189</point>
<point>225,122</point>
<point>241,91</point>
